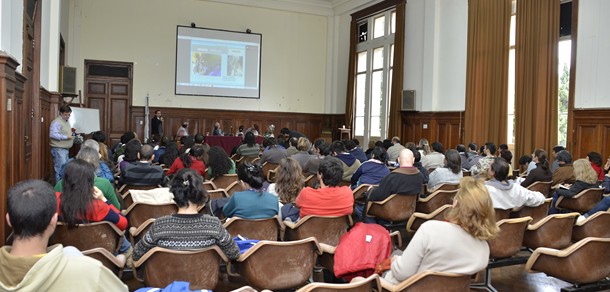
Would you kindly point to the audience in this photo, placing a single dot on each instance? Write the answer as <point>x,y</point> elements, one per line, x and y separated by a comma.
<point>505,194</point>
<point>424,147</point>
<point>219,163</point>
<point>330,199</point>
<point>542,171</point>
<point>288,184</point>
<point>482,166</point>
<point>450,173</point>
<point>457,245</point>
<point>352,147</point>
<point>556,151</point>
<point>30,264</point>
<point>293,143</point>
<point>473,156</point>
<point>132,148</point>
<point>250,148</point>
<point>370,148</point>
<point>143,172</point>
<point>303,156</point>
<point>395,149</point>
<point>434,159</point>
<point>170,154</point>
<point>253,203</point>
<point>508,157</point>
<point>187,229</point>
<point>373,170</point>
<point>585,178</point>
<point>349,163</point>
<point>274,153</point>
<point>321,150</point>
<point>596,162</point>
<point>193,160</point>
<point>524,165</point>
<point>404,180</point>
<point>565,172</point>
<point>461,149</point>
<point>417,164</point>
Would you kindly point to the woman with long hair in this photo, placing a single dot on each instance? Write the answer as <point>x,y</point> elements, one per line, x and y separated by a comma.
<point>288,184</point>
<point>193,160</point>
<point>585,178</point>
<point>424,147</point>
<point>542,172</point>
<point>187,229</point>
<point>219,163</point>
<point>597,164</point>
<point>132,148</point>
<point>250,148</point>
<point>457,245</point>
<point>253,203</point>
<point>451,172</point>
<point>171,153</point>
<point>373,170</point>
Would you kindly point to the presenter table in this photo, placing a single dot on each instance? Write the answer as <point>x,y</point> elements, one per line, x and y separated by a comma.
<point>227,142</point>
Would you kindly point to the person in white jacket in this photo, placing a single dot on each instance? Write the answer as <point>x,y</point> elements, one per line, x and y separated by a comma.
<point>505,194</point>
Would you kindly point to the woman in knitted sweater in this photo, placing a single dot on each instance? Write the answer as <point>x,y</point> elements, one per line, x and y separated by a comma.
<point>187,229</point>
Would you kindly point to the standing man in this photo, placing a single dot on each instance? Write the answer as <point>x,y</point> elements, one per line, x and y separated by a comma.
<point>61,139</point>
<point>156,127</point>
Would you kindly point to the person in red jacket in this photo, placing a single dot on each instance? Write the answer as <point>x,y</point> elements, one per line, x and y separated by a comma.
<point>193,160</point>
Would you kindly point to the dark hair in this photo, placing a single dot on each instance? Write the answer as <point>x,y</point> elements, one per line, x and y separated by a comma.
<point>506,155</point>
<point>331,171</point>
<point>77,192</point>
<point>416,153</point>
<point>65,109</point>
<point>500,168</point>
<point>460,148</point>
<point>31,205</point>
<point>196,151</point>
<point>146,152</point>
<point>271,141</point>
<point>472,146</point>
<point>218,161</point>
<point>241,128</point>
<point>380,154</point>
<point>293,141</point>
<point>199,138</point>
<point>324,149</point>
<point>564,156</point>
<point>128,136</point>
<point>249,139</point>
<point>558,148</point>
<point>99,136</point>
<point>525,159</point>
<point>356,141</point>
<point>337,147</point>
<point>491,147</point>
<point>542,159</point>
<point>187,186</point>
<point>318,142</point>
<point>157,111</point>
<point>132,148</point>
<point>285,131</point>
<point>349,145</point>
<point>438,147</point>
<point>379,143</point>
<point>503,147</point>
<point>171,153</point>
<point>251,173</point>
<point>387,143</point>
<point>595,158</point>
<point>164,141</point>
<point>454,161</point>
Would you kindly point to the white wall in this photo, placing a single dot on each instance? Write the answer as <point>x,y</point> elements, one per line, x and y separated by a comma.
<point>294,59</point>
<point>593,55</point>
<point>49,50</point>
<point>11,29</point>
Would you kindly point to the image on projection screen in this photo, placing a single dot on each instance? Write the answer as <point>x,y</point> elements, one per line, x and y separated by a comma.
<point>214,62</point>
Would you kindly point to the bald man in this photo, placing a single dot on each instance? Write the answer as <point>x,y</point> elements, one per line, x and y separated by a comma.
<point>404,180</point>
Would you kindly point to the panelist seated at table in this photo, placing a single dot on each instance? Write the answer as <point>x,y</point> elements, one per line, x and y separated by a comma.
<point>217,131</point>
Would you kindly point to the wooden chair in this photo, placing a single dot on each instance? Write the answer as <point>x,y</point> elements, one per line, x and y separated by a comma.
<point>435,200</point>
<point>326,229</point>
<point>109,260</point>
<point>278,265</point>
<point>125,188</point>
<point>553,231</point>
<point>396,209</point>
<point>466,173</point>
<point>542,187</point>
<point>208,185</point>
<point>311,180</point>
<point>536,213</point>
<point>136,233</point>
<point>201,267</point>
<point>138,213</point>
<point>218,194</point>
<point>430,281</point>
<point>267,168</point>
<point>595,225</point>
<point>244,159</point>
<point>587,261</point>
<point>364,285</point>
<point>223,181</point>
<point>504,247</point>
<point>502,214</point>
<point>417,219</point>
<point>360,190</point>
<point>261,229</point>
<point>235,187</point>
<point>89,236</point>
<point>444,187</point>
<point>581,202</point>
<point>244,289</point>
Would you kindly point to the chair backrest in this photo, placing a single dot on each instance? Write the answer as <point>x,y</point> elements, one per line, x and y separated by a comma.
<point>372,283</point>
<point>466,173</point>
<point>394,208</point>
<point>417,219</point>
<point>138,212</point>
<point>542,187</point>
<point>502,214</point>
<point>311,180</point>
<point>126,187</point>
<point>537,213</point>
<point>261,229</point>
<point>218,194</point>
<point>88,236</point>
<point>360,190</point>
<point>508,242</point>
<point>235,187</point>
<point>433,281</point>
<point>208,185</point>
<point>435,200</point>
<point>223,181</point>
<point>326,229</point>
<point>136,233</point>
<point>267,166</point>
<point>278,265</point>
<point>594,226</point>
<point>446,187</point>
<point>586,261</point>
<point>581,202</point>
<point>201,268</point>
<point>553,231</point>
<point>107,259</point>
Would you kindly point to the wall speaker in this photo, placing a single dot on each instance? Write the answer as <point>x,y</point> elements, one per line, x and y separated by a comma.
<point>67,80</point>
<point>408,100</point>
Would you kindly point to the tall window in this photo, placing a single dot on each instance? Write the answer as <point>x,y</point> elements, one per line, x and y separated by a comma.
<point>565,55</point>
<point>374,53</point>
<point>510,133</point>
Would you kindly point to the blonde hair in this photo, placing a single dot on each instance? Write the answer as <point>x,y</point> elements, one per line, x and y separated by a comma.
<point>303,144</point>
<point>473,209</point>
<point>583,171</point>
<point>289,181</point>
<point>103,151</point>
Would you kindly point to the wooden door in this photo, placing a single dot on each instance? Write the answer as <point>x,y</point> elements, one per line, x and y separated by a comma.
<point>108,87</point>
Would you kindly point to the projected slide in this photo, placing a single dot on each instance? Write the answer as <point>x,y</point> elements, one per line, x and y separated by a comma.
<point>217,63</point>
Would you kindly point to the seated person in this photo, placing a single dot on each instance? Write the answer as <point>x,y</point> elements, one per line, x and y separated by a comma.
<point>425,175</point>
<point>329,199</point>
<point>303,156</point>
<point>436,158</point>
<point>30,264</point>
<point>542,172</point>
<point>457,245</point>
<point>193,160</point>
<point>132,148</point>
<point>585,178</point>
<point>253,203</point>
<point>143,172</point>
<point>250,148</point>
<point>219,163</point>
<point>596,162</point>
<point>321,150</point>
<point>349,163</point>
<point>274,153</point>
<point>187,229</point>
<point>450,173</point>
<point>352,147</point>
<point>565,171</point>
<point>288,184</point>
<point>404,180</point>
<point>102,170</point>
<point>373,170</point>
<point>482,165</point>
<point>506,194</point>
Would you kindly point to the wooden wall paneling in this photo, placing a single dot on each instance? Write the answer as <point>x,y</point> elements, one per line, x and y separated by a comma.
<point>444,127</point>
<point>591,132</point>
<point>46,163</point>
<point>17,140</point>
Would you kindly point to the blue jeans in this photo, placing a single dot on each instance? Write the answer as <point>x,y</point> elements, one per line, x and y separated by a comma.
<point>60,157</point>
<point>603,205</point>
<point>125,245</point>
